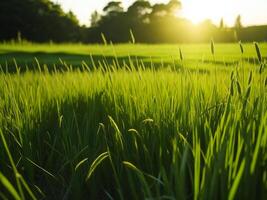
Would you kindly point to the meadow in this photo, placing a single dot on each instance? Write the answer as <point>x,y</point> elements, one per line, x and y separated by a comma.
<point>133,121</point>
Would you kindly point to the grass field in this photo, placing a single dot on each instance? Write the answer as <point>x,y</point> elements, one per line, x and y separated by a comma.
<point>134,122</point>
<point>157,55</point>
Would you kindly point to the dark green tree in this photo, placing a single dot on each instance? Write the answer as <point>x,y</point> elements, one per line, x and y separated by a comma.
<point>113,8</point>
<point>95,18</point>
<point>37,20</point>
<point>139,9</point>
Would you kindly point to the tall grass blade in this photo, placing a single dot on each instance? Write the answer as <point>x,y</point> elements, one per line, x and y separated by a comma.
<point>104,39</point>
<point>41,168</point>
<point>132,37</point>
<point>9,187</point>
<point>96,162</point>
<point>80,163</point>
<point>237,180</point>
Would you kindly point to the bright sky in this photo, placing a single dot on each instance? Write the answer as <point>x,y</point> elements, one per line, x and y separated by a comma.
<point>251,11</point>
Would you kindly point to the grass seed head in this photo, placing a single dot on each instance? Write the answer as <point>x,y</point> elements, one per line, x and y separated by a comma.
<point>241,47</point>
<point>181,54</point>
<point>258,52</point>
<point>212,47</point>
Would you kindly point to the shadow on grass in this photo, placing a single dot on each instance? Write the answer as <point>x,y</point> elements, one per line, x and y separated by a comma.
<point>26,61</point>
<point>250,60</point>
<point>10,61</point>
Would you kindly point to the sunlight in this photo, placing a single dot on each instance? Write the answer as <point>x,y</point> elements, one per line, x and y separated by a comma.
<point>194,10</point>
<point>198,11</point>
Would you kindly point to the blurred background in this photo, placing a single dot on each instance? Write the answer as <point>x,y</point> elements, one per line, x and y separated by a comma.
<point>155,21</point>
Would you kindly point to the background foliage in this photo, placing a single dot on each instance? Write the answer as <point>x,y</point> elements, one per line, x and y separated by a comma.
<point>43,21</point>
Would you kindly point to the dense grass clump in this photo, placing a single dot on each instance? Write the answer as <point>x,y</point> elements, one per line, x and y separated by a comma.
<point>134,133</point>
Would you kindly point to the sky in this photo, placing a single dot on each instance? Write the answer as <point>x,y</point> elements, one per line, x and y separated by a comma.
<point>251,11</point>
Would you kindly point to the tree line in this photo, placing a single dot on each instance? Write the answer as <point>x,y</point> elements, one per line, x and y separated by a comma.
<point>37,20</point>
<point>142,22</point>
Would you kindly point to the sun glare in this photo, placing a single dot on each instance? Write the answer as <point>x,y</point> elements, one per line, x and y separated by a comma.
<point>194,10</point>
<point>198,11</point>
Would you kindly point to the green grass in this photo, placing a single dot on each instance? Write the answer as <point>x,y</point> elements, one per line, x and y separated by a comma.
<point>191,129</point>
<point>159,55</point>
